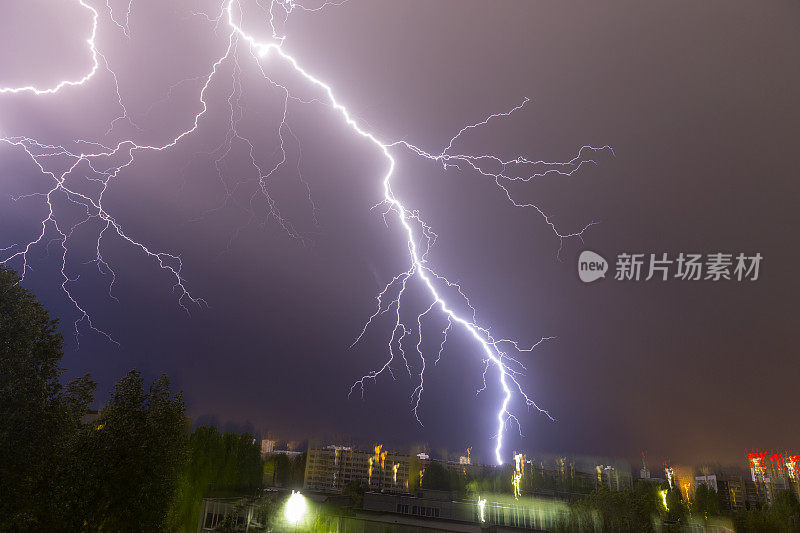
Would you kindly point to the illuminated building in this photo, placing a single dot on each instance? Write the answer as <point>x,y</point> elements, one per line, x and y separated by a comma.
<point>768,474</point>
<point>774,472</point>
<point>561,477</point>
<point>709,480</point>
<point>669,473</point>
<point>757,461</point>
<point>466,459</point>
<point>267,447</point>
<point>425,511</point>
<point>270,447</point>
<point>245,511</point>
<point>330,469</point>
<point>644,473</point>
<point>436,511</point>
<point>732,492</point>
<point>612,478</point>
<point>683,478</point>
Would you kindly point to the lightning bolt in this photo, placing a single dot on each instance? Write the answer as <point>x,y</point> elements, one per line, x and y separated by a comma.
<point>101,165</point>
<point>67,83</point>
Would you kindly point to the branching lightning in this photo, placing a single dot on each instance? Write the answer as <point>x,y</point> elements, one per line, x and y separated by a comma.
<point>102,164</point>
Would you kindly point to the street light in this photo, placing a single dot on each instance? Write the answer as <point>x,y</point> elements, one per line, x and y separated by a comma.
<point>295,509</point>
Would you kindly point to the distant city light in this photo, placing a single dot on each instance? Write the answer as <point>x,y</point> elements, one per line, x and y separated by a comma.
<point>295,509</point>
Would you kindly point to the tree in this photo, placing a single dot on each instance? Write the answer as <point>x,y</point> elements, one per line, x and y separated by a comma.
<point>129,470</point>
<point>784,512</point>
<point>676,506</point>
<point>206,456</point>
<point>221,464</point>
<point>299,470</point>
<point>39,418</point>
<point>644,504</point>
<point>627,510</point>
<point>355,490</point>
<point>706,502</point>
<point>289,471</point>
<point>136,453</point>
<point>435,477</point>
<point>630,510</point>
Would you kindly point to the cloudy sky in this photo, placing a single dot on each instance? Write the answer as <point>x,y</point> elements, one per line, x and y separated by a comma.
<point>698,99</point>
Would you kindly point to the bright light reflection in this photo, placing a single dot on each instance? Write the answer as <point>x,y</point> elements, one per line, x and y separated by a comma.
<point>295,509</point>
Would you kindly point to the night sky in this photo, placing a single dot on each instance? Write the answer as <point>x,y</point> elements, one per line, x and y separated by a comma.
<point>698,99</point>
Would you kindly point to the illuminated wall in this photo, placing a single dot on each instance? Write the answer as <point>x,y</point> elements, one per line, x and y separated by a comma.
<point>330,469</point>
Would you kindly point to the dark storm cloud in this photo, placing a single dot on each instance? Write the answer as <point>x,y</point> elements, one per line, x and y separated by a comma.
<point>698,99</point>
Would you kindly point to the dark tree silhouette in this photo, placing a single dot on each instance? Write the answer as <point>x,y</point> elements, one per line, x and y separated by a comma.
<point>39,418</point>
<point>118,473</point>
<point>136,453</point>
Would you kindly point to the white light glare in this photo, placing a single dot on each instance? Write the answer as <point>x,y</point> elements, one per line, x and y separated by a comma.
<point>295,509</point>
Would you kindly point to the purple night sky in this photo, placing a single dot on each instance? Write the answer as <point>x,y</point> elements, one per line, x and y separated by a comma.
<point>698,99</point>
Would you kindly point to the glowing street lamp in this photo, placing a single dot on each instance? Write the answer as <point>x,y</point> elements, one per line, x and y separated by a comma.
<point>295,509</point>
<point>482,508</point>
